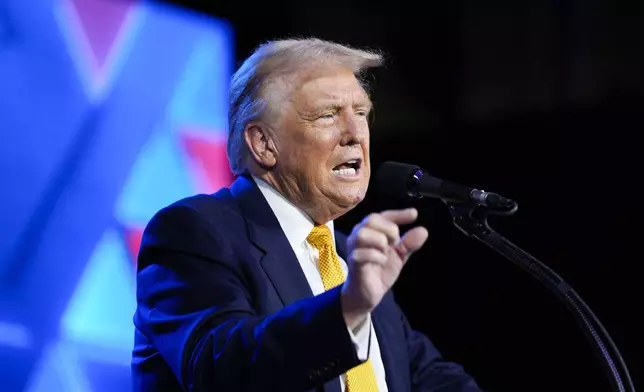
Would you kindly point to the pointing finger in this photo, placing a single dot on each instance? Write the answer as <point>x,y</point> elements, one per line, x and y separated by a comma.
<point>401,217</point>
<point>380,223</point>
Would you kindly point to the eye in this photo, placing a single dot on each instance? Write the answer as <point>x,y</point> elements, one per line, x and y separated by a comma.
<point>327,118</point>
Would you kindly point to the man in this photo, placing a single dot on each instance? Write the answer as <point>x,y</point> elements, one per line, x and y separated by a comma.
<point>251,289</point>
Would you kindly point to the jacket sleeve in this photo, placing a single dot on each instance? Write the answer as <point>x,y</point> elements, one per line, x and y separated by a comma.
<point>195,307</point>
<point>430,372</point>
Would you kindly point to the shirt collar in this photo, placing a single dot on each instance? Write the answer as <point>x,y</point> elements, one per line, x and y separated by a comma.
<point>295,223</point>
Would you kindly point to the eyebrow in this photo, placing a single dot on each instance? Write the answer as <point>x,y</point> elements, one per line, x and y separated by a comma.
<point>366,103</point>
<point>338,103</point>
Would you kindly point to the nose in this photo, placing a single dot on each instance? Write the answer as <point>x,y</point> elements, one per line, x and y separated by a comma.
<point>355,130</point>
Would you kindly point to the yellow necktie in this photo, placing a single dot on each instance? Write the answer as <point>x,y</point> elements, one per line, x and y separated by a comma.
<point>361,378</point>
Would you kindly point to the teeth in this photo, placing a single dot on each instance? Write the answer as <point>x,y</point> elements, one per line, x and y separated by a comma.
<point>345,172</point>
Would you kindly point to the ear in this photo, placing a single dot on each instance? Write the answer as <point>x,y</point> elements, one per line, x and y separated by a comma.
<point>260,144</point>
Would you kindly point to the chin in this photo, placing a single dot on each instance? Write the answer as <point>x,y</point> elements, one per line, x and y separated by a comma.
<point>345,196</point>
<point>353,199</point>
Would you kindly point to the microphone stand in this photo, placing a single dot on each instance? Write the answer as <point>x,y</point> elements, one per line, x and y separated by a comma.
<point>472,220</point>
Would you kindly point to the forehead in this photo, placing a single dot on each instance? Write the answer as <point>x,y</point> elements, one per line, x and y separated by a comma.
<point>337,86</point>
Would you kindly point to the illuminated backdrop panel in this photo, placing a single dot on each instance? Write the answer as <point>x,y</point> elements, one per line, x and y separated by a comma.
<point>109,110</point>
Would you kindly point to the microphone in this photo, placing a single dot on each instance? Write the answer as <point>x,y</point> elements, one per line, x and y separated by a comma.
<point>401,180</point>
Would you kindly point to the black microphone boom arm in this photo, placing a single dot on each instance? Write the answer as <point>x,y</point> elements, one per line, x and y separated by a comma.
<point>470,208</point>
<point>472,221</point>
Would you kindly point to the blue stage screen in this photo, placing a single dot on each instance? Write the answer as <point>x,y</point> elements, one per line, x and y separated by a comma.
<point>109,110</point>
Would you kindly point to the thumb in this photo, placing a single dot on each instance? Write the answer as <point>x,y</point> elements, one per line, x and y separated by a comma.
<point>411,242</point>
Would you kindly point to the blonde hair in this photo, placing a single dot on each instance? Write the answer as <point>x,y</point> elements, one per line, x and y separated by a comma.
<point>251,84</point>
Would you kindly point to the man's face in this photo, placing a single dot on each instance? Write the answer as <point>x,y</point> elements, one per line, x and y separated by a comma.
<point>323,142</point>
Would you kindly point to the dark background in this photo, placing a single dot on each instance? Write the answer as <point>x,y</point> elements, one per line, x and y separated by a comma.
<point>540,101</point>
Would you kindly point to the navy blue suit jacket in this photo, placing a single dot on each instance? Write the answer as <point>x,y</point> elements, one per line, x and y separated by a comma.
<point>224,306</point>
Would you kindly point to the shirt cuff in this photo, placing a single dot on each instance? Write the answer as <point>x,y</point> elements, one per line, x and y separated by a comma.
<point>361,337</point>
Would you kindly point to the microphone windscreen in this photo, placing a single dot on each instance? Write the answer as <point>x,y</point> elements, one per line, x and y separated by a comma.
<point>396,179</point>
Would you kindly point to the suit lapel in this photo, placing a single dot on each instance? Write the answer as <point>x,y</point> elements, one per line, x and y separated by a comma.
<point>264,231</point>
<point>279,262</point>
<point>390,360</point>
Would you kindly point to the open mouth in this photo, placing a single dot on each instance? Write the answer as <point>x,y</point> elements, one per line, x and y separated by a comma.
<point>350,168</point>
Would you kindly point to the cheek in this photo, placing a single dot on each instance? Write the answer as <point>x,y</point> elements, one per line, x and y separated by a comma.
<point>319,145</point>
<point>309,156</point>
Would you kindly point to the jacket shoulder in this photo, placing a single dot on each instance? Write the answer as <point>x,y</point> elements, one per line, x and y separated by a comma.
<point>216,208</point>
<point>202,224</point>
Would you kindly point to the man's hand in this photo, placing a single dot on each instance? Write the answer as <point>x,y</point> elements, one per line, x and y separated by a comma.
<point>377,254</point>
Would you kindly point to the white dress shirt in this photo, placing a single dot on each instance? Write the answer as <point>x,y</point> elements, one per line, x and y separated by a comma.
<point>297,226</point>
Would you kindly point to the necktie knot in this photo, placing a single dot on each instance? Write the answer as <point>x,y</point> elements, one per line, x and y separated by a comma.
<point>320,236</point>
